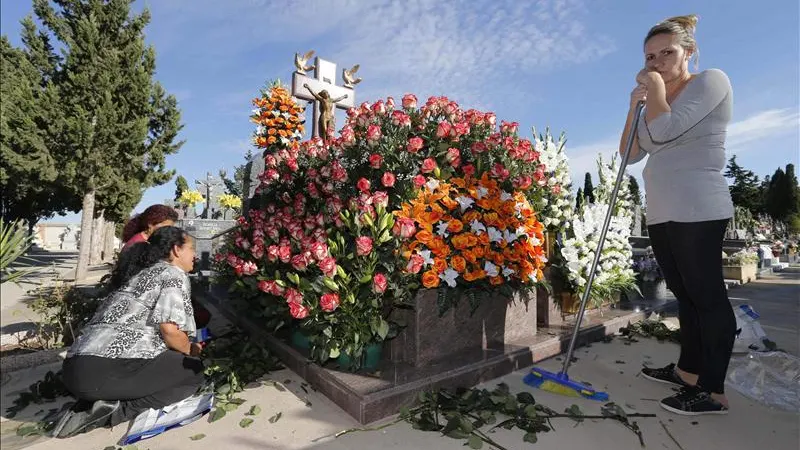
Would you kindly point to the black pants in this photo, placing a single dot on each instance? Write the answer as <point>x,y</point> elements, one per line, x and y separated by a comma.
<point>139,384</point>
<point>690,256</point>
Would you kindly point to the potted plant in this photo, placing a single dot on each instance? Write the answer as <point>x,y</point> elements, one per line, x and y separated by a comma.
<point>741,266</point>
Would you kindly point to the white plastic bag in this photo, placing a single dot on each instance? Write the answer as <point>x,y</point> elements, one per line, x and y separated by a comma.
<point>771,378</point>
<point>749,334</point>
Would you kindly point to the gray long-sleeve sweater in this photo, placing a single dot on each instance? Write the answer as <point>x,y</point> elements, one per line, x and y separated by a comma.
<point>686,147</point>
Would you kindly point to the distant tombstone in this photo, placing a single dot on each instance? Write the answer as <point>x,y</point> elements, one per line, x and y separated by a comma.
<point>637,221</point>
<point>211,188</point>
<point>208,234</point>
<point>255,166</point>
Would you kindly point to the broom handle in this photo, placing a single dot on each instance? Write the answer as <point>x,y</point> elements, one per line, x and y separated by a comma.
<point>606,223</point>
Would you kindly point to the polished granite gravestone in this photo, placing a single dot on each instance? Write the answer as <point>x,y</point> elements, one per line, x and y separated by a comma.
<point>369,397</point>
<point>208,234</point>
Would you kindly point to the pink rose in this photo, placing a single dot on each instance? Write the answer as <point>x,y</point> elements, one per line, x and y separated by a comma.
<point>249,268</point>
<point>373,134</point>
<point>428,165</point>
<point>375,161</point>
<point>409,101</point>
<point>271,175</point>
<point>299,262</point>
<point>461,128</point>
<point>319,250</point>
<point>415,144</point>
<point>298,311</point>
<point>363,185</point>
<point>363,245</point>
<point>379,283</point>
<point>478,147</point>
<point>272,253</point>
<point>523,182</point>
<point>380,198</point>
<point>509,127</point>
<point>328,266</point>
<point>401,119</point>
<point>556,189</point>
<point>443,130</point>
<point>388,179</point>
<point>293,296</point>
<point>404,227</point>
<point>285,253</point>
<point>415,264</point>
<point>390,103</point>
<point>500,171</point>
<point>329,302</point>
<point>379,107</point>
<point>454,156</point>
<point>419,181</point>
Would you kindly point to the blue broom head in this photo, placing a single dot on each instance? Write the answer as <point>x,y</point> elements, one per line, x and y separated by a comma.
<point>559,383</point>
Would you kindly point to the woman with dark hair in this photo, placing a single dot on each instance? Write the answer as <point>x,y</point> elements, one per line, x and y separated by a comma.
<point>141,226</point>
<point>682,132</point>
<point>136,352</point>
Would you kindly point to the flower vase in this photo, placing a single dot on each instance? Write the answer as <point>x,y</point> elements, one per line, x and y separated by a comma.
<point>300,340</point>
<point>654,289</point>
<point>369,359</point>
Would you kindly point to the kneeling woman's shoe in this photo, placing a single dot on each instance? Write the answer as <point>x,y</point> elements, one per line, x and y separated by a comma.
<point>74,422</point>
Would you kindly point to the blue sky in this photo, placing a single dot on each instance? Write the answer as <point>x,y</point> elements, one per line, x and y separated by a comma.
<point>566,64</point>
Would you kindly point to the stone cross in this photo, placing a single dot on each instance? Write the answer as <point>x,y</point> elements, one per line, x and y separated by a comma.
<point>307,88</point>
<point>210,185</point>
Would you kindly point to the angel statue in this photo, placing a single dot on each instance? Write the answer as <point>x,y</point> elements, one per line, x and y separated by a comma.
<point>326,117</point>
<point>300,62</point>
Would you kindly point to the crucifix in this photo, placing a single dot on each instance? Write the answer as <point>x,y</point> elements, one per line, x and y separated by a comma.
<point>322,91</point>
<point>210,185</point>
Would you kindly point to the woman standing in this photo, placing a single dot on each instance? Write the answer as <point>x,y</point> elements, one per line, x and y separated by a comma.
<point>683,132</point>
<point>136,353</point>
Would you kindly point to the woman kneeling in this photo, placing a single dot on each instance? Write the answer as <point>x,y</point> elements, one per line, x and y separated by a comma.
<point>136,352</point>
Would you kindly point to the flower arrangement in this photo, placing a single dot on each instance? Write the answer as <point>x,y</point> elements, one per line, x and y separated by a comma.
<point>230,201</point>
<point>614,272</point>
<point>278,117</point>
<point>470,232</point>
<point>741,258</point>
<point>647,268</point>
<point>558,203</point>
<point>339,242</point>
<point>191,198</point>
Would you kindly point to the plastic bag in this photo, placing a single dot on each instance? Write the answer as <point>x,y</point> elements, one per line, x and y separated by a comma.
<point>771,378</point>
<point>749,334</point>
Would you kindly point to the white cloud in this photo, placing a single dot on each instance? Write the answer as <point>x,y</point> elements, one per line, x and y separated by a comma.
<point>430,47</point>
<point>765,124</point>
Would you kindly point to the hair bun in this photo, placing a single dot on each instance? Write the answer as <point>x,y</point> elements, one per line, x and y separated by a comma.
<point>688,22</point>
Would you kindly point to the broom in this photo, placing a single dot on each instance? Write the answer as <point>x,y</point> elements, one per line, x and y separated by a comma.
<point>560,383</point>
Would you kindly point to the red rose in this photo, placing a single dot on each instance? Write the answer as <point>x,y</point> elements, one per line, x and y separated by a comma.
<point>373,134</point>
<point>293,296</point>
<point>415,144</point>
<point>523,182</point>
<point>419,181</point>
<point>443,130</point>
<point>298,311</point>
<point>415,264</point>
<point>379,283</point>
<point>388,179</point>
<point>363,185</point>
<point>404,227</point>
<point>409,101</point>
<point>363,245</point>
<point>329,302</point>
<point>469,170</point>
<point>428,165</point>
<point>328,266</point>
<point>375,161</point>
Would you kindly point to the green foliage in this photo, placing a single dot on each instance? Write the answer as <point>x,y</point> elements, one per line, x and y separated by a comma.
<point>635,192</point>
<point>62,310</point>
<point>782,198</point>
<point>181,185</point>
<point>14,242</point>
<point>745,190</point>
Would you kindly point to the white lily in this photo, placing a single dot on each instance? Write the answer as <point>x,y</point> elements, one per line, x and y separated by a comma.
<point>464,202</point>
<point>490,269</point>
<point>477,227</point>
<point>449,276</point>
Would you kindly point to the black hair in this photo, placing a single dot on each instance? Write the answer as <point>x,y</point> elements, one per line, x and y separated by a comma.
<point>145,254</point>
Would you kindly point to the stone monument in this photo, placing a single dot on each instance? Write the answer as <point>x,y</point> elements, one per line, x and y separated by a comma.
<point>210,187</point>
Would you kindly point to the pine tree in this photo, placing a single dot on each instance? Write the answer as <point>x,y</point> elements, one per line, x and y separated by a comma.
<point>579,199</point>
<point>588,189</point>
<point>119,124</point>
<point>181,186</point>
<point>745,190</point>
<point>636,193</point>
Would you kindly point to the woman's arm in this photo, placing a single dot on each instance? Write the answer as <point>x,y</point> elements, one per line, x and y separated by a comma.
<point>175,338</point>
<point>666,122</point>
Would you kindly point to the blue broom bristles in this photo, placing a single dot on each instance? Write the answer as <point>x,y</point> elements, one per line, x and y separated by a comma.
<point>561,384</point>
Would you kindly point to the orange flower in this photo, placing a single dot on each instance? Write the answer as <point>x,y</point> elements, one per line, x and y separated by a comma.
<point>470,256</point>
<point>430,279</point>
<point>472,215</point>
<point>439,265</point>
<point>474,275</point>
<point>424,236</point>
<point>458,263</point>
<point>455,226</point>
<point>496,281</point>
<point>449,202</point>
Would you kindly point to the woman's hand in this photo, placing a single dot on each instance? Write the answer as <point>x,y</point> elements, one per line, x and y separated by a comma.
<point>646,76</point>
<point>195,349</point>
<point>639,94</point>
